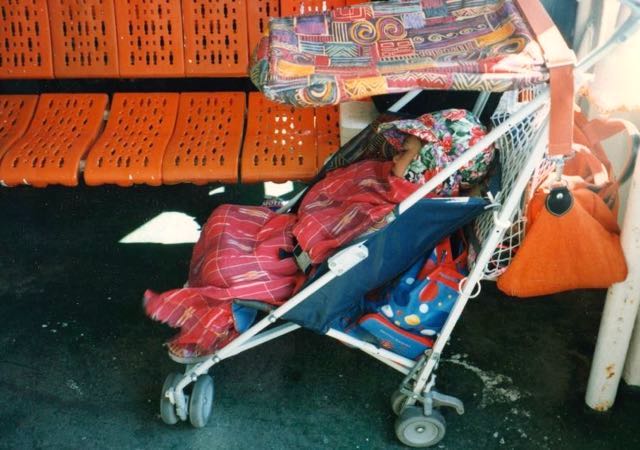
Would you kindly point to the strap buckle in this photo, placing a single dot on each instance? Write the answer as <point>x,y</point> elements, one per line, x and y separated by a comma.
<point>302,259</point>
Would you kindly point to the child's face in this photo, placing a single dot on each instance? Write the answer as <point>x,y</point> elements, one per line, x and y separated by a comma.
<point>411,147</point>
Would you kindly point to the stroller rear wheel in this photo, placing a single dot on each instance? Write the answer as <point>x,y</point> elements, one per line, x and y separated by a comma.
<point>201,401</point>
<point>415,429</point>
<point>397,401</point>
<point>168,409</point>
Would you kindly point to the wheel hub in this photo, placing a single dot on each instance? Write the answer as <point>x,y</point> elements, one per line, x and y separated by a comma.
<point>422,432</point>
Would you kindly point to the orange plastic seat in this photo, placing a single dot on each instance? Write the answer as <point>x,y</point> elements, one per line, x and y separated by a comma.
<point>16,112</point>
<point>150,38</point>
<point>205,146</point>
<point>280,142</point>
<point>328,126</point>
<point>293,7</point>
<point>131,148</point>
<point>215,37</point>
<point>63,128</point>
<point>83,35</point>
<point>258,13</point>
<point>25,39</point>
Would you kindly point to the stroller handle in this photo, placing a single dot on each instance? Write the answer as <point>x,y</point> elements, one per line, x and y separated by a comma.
<point>628,28</point>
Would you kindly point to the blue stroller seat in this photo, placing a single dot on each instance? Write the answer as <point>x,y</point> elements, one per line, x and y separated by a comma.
<point>390,254</point>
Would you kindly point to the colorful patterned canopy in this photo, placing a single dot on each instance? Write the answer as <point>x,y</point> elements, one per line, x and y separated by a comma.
<point>396,46</point>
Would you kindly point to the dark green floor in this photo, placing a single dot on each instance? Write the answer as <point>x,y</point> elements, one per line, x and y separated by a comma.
<point>82,367</point>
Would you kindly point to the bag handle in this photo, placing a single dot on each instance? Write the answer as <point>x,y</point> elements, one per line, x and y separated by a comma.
<point>598,168</point>
<point>599,129</point>
<point>560,60</point>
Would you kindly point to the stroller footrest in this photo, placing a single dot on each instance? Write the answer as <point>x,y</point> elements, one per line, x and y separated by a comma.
<point>443,400</point>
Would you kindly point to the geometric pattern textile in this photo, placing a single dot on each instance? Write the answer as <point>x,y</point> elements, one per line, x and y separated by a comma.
<point>388,47</point>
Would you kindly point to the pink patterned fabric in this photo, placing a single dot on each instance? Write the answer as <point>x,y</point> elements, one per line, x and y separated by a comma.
<point>348,202</point>
<point>237,256</point>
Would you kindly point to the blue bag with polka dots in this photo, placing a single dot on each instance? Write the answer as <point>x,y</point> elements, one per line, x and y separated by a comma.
<point>421,300</point>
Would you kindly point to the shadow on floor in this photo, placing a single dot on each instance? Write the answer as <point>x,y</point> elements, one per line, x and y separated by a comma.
<point>82,366</point>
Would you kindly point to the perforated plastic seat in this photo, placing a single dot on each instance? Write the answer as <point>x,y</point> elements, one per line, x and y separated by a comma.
<point>83,35</point>
<point>292,7</point>
<point>25,39</point>
<point>16,112</point>
<point>150,38</point>
<point>215,37</point>
<point>205,146</point>
<point>328,126</point>
<point>131,148</point>
<point>280,142</point>
<point>258,14</point>
<point>63,128</point>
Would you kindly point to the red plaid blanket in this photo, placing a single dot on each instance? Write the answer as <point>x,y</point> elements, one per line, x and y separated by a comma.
<point>347,203</point>
<point>238,254</point>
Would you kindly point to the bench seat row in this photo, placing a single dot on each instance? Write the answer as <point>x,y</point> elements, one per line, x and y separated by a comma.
<point>136,38</point>
<point>160,138</point>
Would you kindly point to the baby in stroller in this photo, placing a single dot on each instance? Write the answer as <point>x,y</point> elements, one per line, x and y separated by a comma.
<point>247,252</point>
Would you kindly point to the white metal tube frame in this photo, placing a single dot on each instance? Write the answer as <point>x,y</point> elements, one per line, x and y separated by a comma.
<point>342,262</point>
<point>176,395</point>
<point>358,253</point>
<point>481,103</point>
<point>400,363</point>
<point>338,264</point>
<point>619,315</point>
<point>501,223</point>
<point>628,28</point>
<point>621,304</point>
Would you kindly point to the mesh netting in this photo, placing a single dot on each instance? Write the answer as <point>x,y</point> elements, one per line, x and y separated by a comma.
<point>515,147</point>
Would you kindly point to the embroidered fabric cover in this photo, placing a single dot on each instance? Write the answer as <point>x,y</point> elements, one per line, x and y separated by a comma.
<point>237,256</point>
<point>347,203</point>
<point>239,253</point>
<point>388,47</point>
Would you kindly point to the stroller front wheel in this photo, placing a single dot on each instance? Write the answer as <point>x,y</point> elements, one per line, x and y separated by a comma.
<point>168,409</point>
<point>201,401</point>
<point>415,429</point>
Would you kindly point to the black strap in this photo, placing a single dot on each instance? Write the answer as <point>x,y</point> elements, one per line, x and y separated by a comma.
<point>302,259</point>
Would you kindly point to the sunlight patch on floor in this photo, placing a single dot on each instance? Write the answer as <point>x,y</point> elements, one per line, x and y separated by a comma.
<point>165,228</point>
<point>277,189</point>
<point>217,191</point>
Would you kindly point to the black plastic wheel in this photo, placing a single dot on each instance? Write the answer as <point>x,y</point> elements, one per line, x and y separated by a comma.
<point>415,429</point>
<point>168,409</point>
<point>201,401</point>
<point>397,401</point>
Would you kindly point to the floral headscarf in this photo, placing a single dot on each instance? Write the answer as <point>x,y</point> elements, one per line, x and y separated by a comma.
<point>445,135</point>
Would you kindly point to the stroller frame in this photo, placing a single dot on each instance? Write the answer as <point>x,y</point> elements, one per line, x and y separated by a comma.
<point>418,385</point>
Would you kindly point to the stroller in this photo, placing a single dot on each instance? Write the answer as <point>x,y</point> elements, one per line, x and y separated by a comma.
<point>532,128</point>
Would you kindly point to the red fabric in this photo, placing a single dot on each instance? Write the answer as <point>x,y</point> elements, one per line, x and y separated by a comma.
<point>237,256</point>
<point>204,323</point>
<point>238,253</point>
<point>348,202</point>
